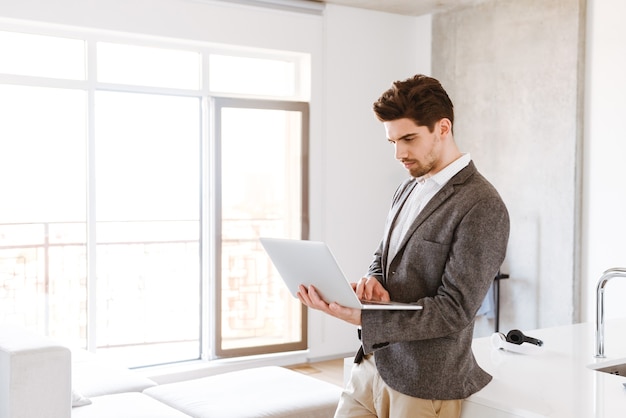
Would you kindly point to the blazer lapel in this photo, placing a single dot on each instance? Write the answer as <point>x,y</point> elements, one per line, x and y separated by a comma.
<point>437,200</point>
<point>391,220</point>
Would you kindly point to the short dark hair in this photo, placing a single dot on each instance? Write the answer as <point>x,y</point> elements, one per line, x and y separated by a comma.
<point>419,98</point>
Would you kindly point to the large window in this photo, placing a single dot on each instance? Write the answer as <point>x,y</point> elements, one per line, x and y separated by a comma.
<point>135,183</point>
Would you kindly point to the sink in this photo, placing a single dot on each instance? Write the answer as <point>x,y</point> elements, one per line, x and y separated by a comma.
<point>615,367</point>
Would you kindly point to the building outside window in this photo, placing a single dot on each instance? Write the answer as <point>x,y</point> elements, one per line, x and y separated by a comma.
<point>136,177</point>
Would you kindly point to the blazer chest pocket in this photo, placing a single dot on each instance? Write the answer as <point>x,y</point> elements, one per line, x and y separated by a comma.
<point>429,258</point>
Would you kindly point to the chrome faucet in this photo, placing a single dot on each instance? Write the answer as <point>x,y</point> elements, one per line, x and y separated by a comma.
<point>606,276</point>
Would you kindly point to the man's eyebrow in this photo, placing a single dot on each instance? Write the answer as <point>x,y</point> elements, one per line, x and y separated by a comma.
<point>410,135</point>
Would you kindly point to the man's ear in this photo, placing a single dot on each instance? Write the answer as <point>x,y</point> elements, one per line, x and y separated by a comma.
<point>445,127</point>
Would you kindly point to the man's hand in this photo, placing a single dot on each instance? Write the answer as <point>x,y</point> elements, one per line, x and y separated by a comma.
<point>312,299</point>
<point>368,288</point>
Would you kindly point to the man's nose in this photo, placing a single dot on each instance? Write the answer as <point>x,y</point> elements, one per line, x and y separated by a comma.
<point>400,151</point>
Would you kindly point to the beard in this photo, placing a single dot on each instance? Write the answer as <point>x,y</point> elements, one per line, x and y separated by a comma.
<point>419,169</point>
<point>419,172</point>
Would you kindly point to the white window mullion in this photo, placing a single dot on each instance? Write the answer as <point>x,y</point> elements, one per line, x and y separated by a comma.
<point>91,200</point>
<point>208,278</point>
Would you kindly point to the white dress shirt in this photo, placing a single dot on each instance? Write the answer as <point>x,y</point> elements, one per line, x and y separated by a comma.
<point>427,186</point>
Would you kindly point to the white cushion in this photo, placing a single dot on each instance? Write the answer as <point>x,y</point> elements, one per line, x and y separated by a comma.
<point>79,400</point>
<point>94,376</point>
<point>126,405</point>
<point>258,392</point>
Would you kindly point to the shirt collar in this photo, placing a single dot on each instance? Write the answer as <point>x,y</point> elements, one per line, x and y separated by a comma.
<point>443,176</point>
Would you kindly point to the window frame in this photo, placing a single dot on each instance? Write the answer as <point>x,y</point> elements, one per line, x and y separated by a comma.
<point>217,104</point>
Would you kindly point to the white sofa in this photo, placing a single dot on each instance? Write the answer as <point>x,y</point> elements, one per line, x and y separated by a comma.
<point>35,376</point>
<point>40,378</point>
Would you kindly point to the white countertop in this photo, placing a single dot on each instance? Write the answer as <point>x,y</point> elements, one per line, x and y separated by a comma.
<point>553,380</point>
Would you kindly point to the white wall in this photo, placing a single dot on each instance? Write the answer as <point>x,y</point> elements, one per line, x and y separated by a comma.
<point>210,21</point>
<point>364,52</point>
<point>355,55</point>
<point>515,84</point>
<point>604,189</point>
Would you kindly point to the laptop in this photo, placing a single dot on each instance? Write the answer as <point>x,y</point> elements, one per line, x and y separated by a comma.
<point>312,263</point>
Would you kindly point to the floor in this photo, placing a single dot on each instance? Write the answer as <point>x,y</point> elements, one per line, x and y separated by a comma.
<point>329,371</point>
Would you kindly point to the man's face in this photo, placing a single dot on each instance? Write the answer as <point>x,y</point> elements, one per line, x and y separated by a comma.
<point>418,149</point>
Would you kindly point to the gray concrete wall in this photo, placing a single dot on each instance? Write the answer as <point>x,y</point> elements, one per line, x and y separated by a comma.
<point>513,70</point>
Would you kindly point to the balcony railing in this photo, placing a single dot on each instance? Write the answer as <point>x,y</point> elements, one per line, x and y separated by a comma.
<point>147,288</point>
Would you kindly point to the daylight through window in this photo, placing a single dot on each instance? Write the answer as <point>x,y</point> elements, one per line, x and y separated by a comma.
<point>130,222</point>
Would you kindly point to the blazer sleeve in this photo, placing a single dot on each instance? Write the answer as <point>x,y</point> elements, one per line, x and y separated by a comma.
<point>376,268</point>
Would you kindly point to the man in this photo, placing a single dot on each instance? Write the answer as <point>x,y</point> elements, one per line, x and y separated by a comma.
<point>444,241</point>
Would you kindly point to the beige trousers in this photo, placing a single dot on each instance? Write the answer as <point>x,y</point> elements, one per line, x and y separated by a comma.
<point>367,396</point>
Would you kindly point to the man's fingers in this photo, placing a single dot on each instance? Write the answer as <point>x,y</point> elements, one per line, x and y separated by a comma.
<point>361,291</point>
<point>303,294</point>
<point>311,298</point>
<point>368,288</point>
<point>315,297</point>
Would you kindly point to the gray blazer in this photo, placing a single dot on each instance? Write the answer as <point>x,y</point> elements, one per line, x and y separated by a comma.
<point>446,262</point>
